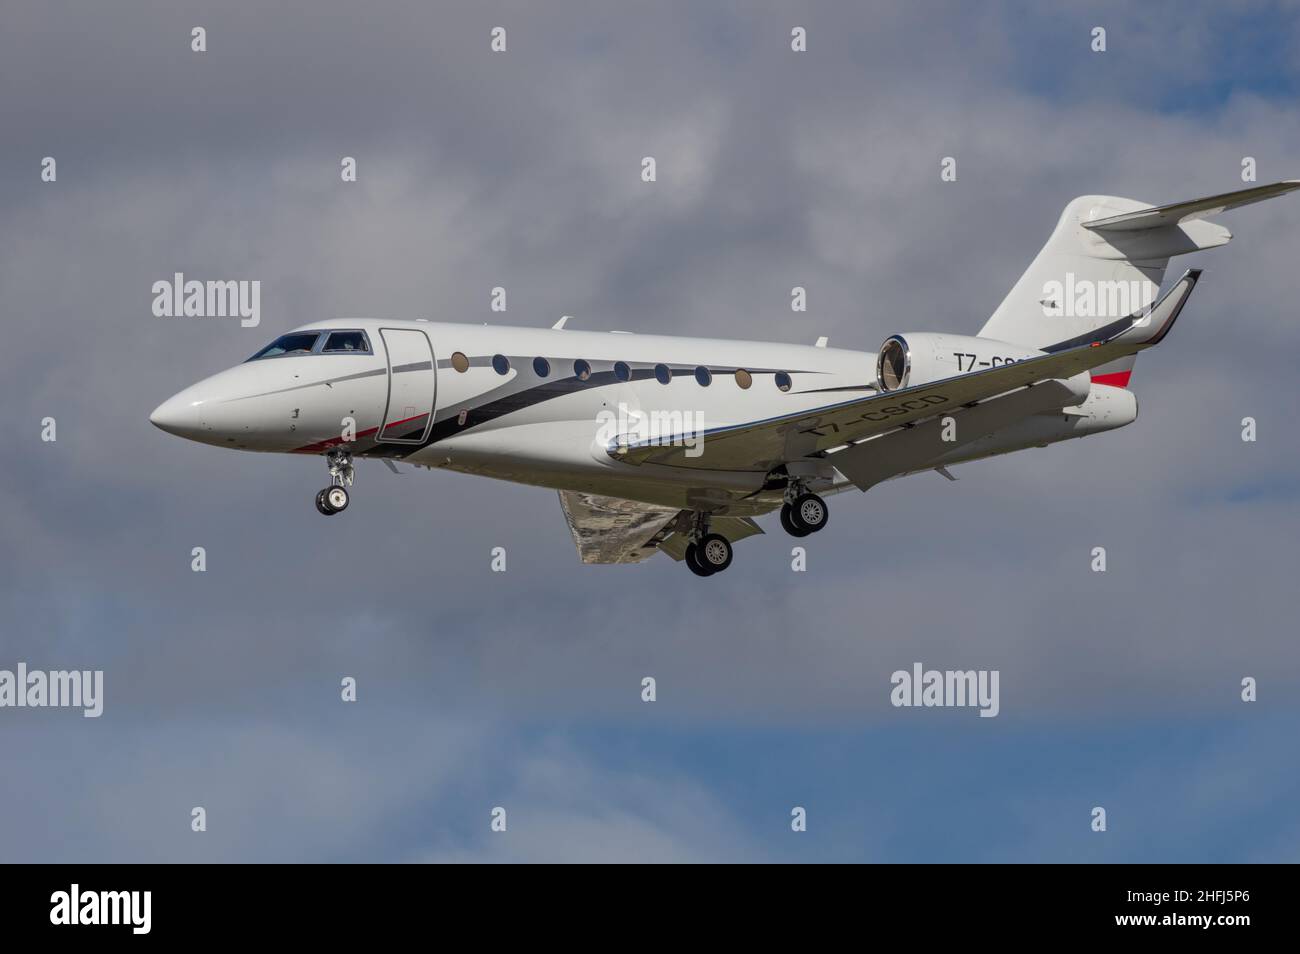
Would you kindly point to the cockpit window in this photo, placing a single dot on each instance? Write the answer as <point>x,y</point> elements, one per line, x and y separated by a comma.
<point>346,342</point>
<point>300,342</point>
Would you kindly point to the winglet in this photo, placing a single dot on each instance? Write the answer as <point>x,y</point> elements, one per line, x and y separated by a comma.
<point>1150,328</point>
<point>559,325</point>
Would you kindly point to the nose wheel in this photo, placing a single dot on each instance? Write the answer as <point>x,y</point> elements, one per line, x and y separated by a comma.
<point>334,498</point>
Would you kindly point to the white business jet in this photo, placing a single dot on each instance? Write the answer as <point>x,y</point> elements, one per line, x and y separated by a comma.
<point>675,445</point>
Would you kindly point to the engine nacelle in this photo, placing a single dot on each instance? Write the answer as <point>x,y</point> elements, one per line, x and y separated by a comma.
<point>921,358</point>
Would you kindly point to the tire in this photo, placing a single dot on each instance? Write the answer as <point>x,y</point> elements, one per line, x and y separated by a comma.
<point>787,523</point>
<point>692,551</point>
<point>714,553</point>
<point>336,498</point>
<point>321,505</point>
<point>809,512</point>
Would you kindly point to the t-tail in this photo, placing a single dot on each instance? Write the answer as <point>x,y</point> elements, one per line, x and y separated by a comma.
<point>1105,261</point>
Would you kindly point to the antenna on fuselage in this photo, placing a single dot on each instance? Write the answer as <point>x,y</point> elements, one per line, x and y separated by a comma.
<point>559,325</point>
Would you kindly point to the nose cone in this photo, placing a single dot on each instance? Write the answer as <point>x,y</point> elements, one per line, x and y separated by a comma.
<point>178,415</point>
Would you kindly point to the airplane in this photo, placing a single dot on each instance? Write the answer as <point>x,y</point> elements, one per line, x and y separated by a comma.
<point>675,444</point>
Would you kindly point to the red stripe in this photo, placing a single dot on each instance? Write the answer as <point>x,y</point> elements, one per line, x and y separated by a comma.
<point>334,441</point>
<point>1116,379</point>
<point>331,442</point>
<point>405,420</point>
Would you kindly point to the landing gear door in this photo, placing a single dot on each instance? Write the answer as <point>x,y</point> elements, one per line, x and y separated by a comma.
<point>411,382</point>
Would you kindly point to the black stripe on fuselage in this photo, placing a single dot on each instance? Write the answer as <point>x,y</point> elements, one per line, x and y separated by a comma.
<point>526,398</point>
<point>508,404</point>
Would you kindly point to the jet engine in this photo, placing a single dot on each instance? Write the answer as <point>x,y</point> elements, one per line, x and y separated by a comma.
<point>920,358</point>
<point>912,359</point>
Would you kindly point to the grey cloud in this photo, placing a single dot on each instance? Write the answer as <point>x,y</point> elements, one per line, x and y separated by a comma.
<point>522,171</point>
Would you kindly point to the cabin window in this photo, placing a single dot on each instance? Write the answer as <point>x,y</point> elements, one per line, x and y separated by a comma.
<point>581,370</point>
<point>662,374</point>
<point>500,364</point>
<point>622,371</point>
<point>783,381</point>
<point>541,367</point>
<point>744,379</point>
<point>298,342</point>
<point>459,361</point>
<point>346,342</point>
<point>704,376</point>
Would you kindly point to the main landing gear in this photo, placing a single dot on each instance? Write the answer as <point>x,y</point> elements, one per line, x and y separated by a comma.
<point>334,498</point>
<point>707,553</point>
<point>803,512</point>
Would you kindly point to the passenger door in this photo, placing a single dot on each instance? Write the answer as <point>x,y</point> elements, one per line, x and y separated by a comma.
<point>411,386</point>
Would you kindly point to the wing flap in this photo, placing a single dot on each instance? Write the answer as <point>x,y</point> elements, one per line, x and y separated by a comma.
<point>613,530</point>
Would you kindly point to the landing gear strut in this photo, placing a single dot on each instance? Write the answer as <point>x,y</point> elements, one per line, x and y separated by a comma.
<point>803,512</point>
<point>707,553</point>
<point>334,498</point>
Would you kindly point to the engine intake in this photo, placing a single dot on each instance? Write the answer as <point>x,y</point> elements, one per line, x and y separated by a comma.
<point>894,364</point>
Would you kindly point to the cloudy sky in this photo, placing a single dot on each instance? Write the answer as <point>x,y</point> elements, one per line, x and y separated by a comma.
<point>522,690</point>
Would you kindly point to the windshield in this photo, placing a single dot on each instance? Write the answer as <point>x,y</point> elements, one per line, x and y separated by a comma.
<point>300,342</point>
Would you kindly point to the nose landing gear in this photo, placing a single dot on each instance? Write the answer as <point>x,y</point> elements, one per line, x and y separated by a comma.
<point>334,498</point>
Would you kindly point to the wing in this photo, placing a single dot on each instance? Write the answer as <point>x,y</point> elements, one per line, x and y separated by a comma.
<point>612,530</point>
<point>791,437</point>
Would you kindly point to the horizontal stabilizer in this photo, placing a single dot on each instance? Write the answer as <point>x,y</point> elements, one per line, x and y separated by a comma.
<point>1180,212</point>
